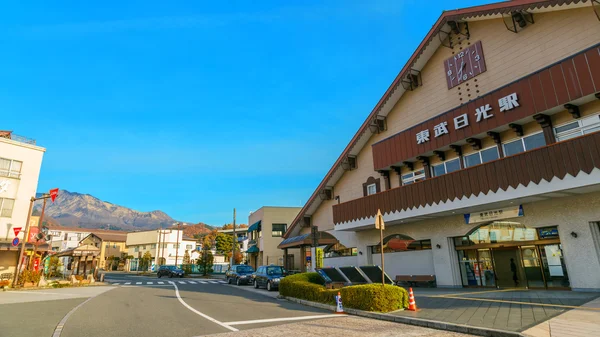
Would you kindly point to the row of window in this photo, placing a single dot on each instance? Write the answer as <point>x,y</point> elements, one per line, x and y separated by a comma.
<point>6,207</point>
<point>409,245</point>
<point>277,231</point>
<point>166,245</point>
<point>338,250</point>
<point>10,168</point>
<point>563,132</point>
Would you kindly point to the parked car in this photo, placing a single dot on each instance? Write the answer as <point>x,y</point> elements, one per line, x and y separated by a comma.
<point>268,277</point>
<point>239,274</point>
<point>169,271</point>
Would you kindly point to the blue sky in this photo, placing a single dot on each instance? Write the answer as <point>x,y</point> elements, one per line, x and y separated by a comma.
<point>200,107</point>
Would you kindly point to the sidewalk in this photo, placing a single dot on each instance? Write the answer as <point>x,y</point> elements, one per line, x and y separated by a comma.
<point>571,323</point>
<point>514,310</point>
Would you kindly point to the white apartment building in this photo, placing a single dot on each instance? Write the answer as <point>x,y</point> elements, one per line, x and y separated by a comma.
<point>166,246</point>
<point>20,163</point>
<point>66,238</point>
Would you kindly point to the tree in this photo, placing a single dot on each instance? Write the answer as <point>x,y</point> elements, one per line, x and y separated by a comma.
<point>223,243</point>
<point>238,257</point>
<point>145,261</point>
<point>53,266</point>
<point>230,226</point>
<point>206,259</point>
<point>186,257</point>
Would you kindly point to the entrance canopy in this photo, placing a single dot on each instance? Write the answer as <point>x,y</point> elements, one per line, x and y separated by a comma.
<point>306,240</point>
<point>253,250</point>
<point>85,250</point>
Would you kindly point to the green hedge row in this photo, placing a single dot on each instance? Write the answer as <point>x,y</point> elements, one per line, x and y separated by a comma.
<point>369,297</point>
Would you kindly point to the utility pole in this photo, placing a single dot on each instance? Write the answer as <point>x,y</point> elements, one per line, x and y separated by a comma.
<point>26,235</point>
<point>157,262</point>
<point>35,245</point>
<point>232,262</point>
<point>177,249</point>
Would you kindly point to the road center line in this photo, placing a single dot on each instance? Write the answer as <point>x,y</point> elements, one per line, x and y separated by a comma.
<point>269,320</point>
<point>225,325</point>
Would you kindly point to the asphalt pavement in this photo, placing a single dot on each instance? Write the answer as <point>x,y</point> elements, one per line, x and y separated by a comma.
<point>136,306</point>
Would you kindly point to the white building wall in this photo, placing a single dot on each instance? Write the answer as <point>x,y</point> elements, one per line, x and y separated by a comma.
<point>342,261</point>
<point>574,214</point>
<point>417,262</point>
<point>19,189</point>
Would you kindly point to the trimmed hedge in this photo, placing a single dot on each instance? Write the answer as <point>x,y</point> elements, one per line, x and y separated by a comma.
<point>369,297</point>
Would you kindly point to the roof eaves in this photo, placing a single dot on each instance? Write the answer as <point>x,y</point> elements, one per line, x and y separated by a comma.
<point>483,10</point>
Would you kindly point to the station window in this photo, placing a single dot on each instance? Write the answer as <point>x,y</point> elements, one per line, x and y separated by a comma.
<point>446,167</point>
<point>371,189</point>
<point>338,250</point>
<point>524,144</point>
<point>413,177</point>
<point>577,128</point>
<point>481,157</point>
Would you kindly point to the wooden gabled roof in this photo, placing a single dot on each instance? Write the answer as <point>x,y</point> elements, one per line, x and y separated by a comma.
<point>424,51</point>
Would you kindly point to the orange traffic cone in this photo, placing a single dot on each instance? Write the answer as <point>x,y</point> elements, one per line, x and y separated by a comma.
<point>412,305</point>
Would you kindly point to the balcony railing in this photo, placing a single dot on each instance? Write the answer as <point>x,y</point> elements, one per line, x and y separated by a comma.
<point>17,138</point>
<point>573,156</point>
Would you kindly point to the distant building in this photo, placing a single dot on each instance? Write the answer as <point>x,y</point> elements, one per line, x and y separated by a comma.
<point>111,245</point>
<point>162,245</point>
<point>266,233</point>
<point>20,163</point>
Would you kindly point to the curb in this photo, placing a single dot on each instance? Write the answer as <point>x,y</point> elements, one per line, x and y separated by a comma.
<point>473,330</point>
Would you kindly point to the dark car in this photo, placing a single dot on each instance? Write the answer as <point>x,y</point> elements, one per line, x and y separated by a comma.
<point>239,274</point>
<point>170,271</point>
<point>268,277</point>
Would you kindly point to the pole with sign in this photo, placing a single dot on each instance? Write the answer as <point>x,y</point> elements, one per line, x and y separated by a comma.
<point>379,224</point>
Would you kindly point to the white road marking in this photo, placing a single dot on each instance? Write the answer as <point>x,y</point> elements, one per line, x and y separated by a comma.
<point>213,282</point>
<point>222,282</point>
<point>269,320</point>
<point>181,282</point>
<point>192,282</point>
<point>160,282</point>
<point>127,283</point>
<point>198,312</point>
<point>115,284</point>
<point>138,283</point>
<point>45,293</point>
<point>203,282</point>
<point>149,282</point>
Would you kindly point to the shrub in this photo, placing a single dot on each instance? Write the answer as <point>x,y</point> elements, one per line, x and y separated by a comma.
<point>30,276</point>
<point>369,297</point>
<point>375,297</point>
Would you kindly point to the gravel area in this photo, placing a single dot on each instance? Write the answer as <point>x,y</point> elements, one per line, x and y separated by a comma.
<point>349,326</point>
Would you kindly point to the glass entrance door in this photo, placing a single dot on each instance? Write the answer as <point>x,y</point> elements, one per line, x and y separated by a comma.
<point>469,267</point>
<point>532,267</point>
<point>486,268</point>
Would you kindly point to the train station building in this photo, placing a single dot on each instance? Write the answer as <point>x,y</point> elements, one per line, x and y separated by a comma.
<point>483,156</point>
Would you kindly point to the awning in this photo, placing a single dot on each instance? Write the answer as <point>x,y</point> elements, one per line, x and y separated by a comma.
<point>253,249</point>
<point>306,240</point>
<point>85,250</point>
<point>255,227</point>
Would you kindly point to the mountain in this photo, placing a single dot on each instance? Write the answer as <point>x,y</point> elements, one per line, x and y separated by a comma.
<point>73,209</point>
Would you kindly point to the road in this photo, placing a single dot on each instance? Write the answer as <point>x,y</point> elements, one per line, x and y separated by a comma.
<point>148,306</point>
